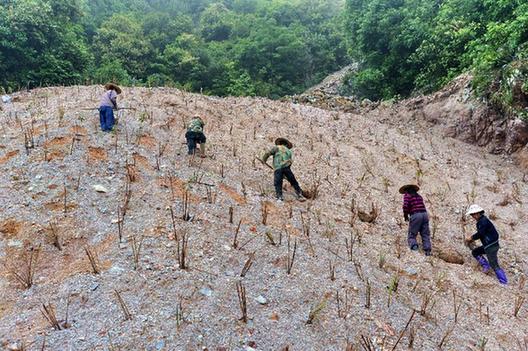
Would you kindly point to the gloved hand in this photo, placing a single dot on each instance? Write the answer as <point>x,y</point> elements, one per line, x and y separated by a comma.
<point>406,217</point>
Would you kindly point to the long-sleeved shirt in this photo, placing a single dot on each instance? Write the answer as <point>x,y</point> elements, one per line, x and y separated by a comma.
<point>109,98</point>
<point>413,204</point>
<point>486,232</point>
<point>196,125</point>
<point>282,156</point>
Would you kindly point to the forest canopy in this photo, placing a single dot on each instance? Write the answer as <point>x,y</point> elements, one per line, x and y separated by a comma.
<point>269,48</point>
<point>231,47</point>
<point>418,46</point>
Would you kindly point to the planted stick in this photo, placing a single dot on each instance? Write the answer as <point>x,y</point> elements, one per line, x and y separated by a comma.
<point>332,268</point>
<point>403,331</point>
<point>185,201</point>
<point>349,245</point>
<point>136,250</point>
<point>446,335</point>
<point>456,306</point>
<point>181,249</point>
<point>270,238</point>
<point>235,238</point>
<point>65,199</point>
<point>27,275</point>
<point>55,236</point>
<point>120,220</point>
<point>48,311</point>
<point>519,301</point>
<point>367,344</point>
<point>242,301</point>
<point>92,257</point>
<point>124,308</point>
<point>367,294</point>
<point>247,265</point>
<point>179,314</point>
<point>426,300</point>
<point>359,270</point>
<point>291,257</point>
<point>264,212</point>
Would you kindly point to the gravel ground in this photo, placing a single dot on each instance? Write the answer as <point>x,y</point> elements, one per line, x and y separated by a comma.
<point>355,162</point>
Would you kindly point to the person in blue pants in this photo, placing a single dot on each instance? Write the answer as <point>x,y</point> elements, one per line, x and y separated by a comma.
<point>107,106</point>
<point>489,238</point>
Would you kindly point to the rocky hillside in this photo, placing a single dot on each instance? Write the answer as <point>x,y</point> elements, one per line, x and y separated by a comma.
<point>93,227</point>
<point>452,112</point>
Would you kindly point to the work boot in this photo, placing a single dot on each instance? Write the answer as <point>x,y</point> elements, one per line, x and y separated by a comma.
<point>414,247</point>
<point>300,197</point>
<point>483,263</point>
<point>427,252</point>
<point>202,150</point>
<point>501,276</point>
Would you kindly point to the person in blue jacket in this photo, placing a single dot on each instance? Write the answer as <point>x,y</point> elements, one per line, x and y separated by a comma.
<point>489,237</point>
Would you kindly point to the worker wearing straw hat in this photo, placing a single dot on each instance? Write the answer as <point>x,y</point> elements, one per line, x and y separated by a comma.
<point>489,237</point>
<point>415,212</point>
<point>282,161</point>
<point>107,106</point>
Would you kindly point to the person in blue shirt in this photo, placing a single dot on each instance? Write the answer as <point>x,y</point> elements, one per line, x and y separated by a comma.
<point>489,237</point>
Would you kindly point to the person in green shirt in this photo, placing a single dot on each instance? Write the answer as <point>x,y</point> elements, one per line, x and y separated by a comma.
<point>195,135</point>
<point>282,161</point>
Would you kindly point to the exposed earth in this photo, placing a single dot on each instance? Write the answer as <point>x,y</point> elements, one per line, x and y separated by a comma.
<point>68,190</point>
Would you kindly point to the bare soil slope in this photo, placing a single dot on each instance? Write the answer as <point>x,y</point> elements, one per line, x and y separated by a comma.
<point>52,155</point>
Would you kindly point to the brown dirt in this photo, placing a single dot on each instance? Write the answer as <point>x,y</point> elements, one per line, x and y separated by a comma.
<point>232,193</point>
<point>8,155</point>
<point>79,131</point>
<point>10,228</point>
<point>57,142</point>
<point>148,141</point>
<point>97,153</point>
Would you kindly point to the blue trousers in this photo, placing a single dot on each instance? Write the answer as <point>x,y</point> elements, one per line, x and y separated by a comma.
<point>106,117</point>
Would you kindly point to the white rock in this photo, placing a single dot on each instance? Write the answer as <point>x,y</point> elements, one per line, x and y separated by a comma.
<point>262,300</point>
<point>116,270</point>
<point>14,243</point>
<point>100,189</point>
<point>206,292</point>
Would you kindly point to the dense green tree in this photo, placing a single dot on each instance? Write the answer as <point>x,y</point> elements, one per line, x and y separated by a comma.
<point>407,46</point>
<point>40,43</point>
<point>121,38</point>
<point>223,47</point>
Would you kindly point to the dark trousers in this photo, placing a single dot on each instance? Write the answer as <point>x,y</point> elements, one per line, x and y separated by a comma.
<point>106,118</point>
<point>194,138</point>
<point>490,252</point>
<point>282,173</point>
<point>419,223</point>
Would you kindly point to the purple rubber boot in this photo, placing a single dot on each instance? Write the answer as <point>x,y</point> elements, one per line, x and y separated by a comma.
<point>501,276</point>
<point>484,263</point>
